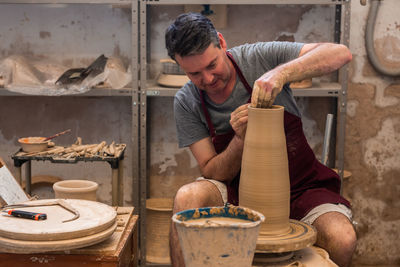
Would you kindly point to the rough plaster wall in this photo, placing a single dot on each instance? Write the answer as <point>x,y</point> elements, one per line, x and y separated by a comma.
<point>372,151</point>
<point>69,33</point>
<point>170,167</point>
<point>76,35</point>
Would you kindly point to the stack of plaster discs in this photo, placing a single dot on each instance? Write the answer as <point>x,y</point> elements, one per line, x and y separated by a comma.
<point>96,223</point>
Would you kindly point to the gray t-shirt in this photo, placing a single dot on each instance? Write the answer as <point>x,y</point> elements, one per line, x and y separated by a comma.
<point>254,60</point>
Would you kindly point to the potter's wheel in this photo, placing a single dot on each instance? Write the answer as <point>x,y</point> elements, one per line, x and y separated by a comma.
<point>96,223</point>
<point>300,235</point>
<point>309,257</point>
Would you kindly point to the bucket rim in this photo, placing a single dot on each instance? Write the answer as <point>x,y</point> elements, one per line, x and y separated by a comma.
<point>252,217</point>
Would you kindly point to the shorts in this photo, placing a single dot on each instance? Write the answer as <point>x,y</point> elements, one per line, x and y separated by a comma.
<point>220,185</point>
<point>311,215</point>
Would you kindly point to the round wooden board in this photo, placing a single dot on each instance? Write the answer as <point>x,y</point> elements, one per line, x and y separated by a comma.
<point>95,217</point>
<point>301,236</point>
<point>25,247</point>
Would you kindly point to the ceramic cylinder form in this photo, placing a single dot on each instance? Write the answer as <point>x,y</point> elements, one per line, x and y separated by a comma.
<point>264,180</point>
<point>218,236</point>
<point>76,189</point>
<point>158,217</point>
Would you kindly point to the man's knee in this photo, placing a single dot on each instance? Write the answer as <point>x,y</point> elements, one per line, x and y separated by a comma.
<point>197,194</point>
<point>337,228</point>
<point>348,236</point>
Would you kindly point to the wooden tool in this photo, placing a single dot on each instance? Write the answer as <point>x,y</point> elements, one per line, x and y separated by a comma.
<point>56,135</point>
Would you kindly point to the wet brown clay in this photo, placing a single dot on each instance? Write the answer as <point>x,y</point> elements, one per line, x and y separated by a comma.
<point>264,181</point>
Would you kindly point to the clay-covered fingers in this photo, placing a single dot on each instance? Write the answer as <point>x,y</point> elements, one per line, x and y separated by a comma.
<point>238,120</point>
<point>254,95</point>
<point>261,97</point>
<point>239,115</point>
<point>267,100</point>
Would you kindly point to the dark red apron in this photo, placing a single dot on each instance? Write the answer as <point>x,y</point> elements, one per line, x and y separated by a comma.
<point>311,183</point>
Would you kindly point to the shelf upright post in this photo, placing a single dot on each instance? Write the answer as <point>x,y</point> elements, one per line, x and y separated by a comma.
<point>135,112</point>
<point>142,129</point>
<point>135,102</point>
<point>343,78</point>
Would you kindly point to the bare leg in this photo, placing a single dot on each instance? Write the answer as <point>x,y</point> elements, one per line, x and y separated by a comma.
<point>194,195</point>
<point>337,236</point>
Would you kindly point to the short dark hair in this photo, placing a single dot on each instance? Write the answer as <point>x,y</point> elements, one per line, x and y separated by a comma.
<point>191,33</point>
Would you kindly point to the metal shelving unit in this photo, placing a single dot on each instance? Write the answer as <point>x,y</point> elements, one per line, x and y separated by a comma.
<point>132,92</point>
<point>337,91</point>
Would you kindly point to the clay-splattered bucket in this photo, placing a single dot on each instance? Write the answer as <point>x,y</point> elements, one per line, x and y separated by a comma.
<point>158,218</point>
<point>76,189</point>
<point>218,236</point>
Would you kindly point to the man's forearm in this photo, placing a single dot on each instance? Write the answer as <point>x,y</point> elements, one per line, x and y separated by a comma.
<point>226,165</point>
<point>314,60</point>
<point>323,59</point>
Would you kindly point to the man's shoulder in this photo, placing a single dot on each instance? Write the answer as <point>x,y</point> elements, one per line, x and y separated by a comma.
<point>187,93</point>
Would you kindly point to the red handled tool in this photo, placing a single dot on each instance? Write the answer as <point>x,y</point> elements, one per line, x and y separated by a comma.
<point>26,214</point>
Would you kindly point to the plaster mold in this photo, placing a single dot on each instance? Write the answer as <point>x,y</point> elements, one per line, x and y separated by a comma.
<point>383,151</point>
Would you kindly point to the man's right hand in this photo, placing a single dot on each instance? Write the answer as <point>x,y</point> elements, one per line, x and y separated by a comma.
<point>239,120</point>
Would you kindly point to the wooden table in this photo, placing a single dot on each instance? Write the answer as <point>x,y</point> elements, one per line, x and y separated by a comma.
<point>119,250</point>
